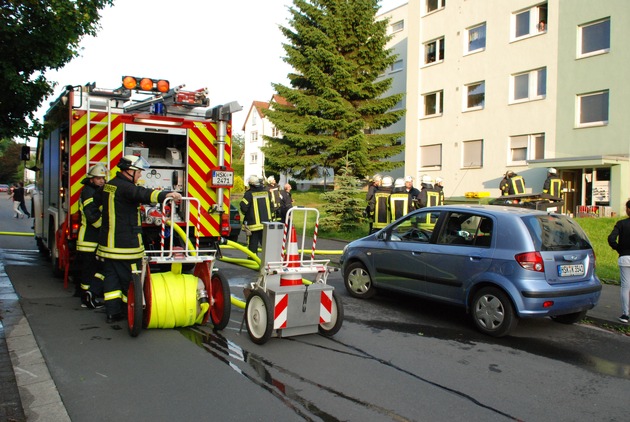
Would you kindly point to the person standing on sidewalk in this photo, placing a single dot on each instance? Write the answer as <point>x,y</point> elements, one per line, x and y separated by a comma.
<point>619,240</point>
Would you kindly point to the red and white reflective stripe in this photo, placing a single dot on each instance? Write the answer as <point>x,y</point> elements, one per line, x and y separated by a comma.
<point>325,307</point>
<point>284,242</point>
<point>314,240</point>
<point>162,235</point>
<point>280,311</point>
<point>293,261</point>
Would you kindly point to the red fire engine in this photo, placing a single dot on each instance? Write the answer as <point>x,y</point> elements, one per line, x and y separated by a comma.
<point>186,141</point>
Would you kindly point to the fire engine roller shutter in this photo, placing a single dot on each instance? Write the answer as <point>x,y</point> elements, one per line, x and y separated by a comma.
<point>202,156</point>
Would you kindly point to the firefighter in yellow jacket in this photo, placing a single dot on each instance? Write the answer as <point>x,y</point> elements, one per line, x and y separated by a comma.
<point>87,241</point>
<point>120,245</point>
<point>256,210</point>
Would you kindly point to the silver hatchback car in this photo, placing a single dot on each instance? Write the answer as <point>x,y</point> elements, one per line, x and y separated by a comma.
<point>501,263</point>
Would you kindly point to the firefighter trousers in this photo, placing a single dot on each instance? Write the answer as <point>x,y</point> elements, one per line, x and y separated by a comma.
<point>91,276</point>
<point>255,239</point>
<point>117,276</point>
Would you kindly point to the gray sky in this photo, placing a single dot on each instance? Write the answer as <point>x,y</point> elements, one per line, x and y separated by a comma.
<point>233,48</point>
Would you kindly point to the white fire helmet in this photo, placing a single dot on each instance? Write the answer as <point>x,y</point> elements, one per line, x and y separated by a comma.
<point>271,180</point>
<point>253,180</point>
<point>388,181</point>
<point>552,170</point>
<point>97,170</point>
<point>399,183</point>
<point>438,180</point>
<point>426,179</point>
<point>377,178</point>
<point>133,162</point>
<point>408,179</point>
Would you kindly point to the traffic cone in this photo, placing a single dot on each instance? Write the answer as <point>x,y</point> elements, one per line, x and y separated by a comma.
<point>293,261</point>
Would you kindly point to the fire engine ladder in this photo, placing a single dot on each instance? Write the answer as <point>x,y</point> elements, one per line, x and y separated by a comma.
<point>105,142</point>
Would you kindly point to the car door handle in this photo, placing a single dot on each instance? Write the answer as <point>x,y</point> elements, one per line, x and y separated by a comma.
<point>416,253</point>
<point>476,258</point>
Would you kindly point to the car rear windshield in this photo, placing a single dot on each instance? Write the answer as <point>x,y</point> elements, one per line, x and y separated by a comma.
<point>554,232</point>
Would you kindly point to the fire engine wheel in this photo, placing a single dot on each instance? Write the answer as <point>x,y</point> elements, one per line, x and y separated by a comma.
<point>331,328</point>
<point>259,317</point>
<point>221,304</point>
<point>134,306</point>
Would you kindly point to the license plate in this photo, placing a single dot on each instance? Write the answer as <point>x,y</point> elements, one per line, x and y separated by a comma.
<point>222,178</point>
<point>570,270</point>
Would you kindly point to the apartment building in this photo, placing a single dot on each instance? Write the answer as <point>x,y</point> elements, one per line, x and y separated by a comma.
<point>495,85</point>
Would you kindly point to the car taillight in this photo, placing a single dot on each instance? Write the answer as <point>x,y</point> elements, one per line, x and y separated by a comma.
<point>531,261</point>
<point>225,225</point>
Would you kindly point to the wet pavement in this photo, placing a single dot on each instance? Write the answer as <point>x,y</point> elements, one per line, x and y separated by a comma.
<point>29,392</point>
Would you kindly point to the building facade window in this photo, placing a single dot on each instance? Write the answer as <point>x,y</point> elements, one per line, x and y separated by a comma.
<point>527,86</point>
<point>397,26</point>
<point>475,95</point>
<point>433,103</point>
<point>594,38</point>
<point>475,38</point>
<point>253,158</point>
<point>529,22</point>
<point>397,66</point>
<point>431,156</point>
<point>433,5</point>
<point>592,109</point>
<point>472,154</point>
<point>526,147</point>
<point>274,132</point>
<point>254,118</point>
<point>254,136</point>
<point>434,51</point>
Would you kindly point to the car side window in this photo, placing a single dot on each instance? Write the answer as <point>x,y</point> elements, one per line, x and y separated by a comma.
<point>462,229</point>
<point>416,227</point>
<point>483,238</point>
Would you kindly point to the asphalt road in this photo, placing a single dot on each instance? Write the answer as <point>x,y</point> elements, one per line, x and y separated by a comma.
<point>395,358</point>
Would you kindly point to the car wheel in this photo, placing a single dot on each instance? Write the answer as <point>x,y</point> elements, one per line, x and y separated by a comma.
<point>358,281</point>
<point>493,312</point>
<point>569,318</point>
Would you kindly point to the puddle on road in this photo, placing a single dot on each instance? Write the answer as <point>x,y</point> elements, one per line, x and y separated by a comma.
<point>538,347</point>
<point>233,355</point>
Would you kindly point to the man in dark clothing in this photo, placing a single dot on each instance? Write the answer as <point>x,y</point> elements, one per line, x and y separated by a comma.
<point>286,203</point>
<point>619,240</point>
<point>18,196</point>
<point>429,197</point>
<point>91,283</point>
<point>274,197</point>
<point>413,192</point>
<point>553,183</point>
<point>512,184</point>
<point>120,245</point>
<point>256,210</point>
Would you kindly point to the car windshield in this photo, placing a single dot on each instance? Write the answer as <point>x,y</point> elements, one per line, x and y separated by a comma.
<point>554,232</point>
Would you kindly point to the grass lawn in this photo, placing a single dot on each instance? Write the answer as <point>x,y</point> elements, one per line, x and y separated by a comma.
<point>597,230</point>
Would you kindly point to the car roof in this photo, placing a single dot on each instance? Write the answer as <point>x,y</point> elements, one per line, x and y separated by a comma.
<point>491,209</point>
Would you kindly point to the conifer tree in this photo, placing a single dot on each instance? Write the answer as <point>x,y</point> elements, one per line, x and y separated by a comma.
<point>344,211</point>
<point>335,103</point>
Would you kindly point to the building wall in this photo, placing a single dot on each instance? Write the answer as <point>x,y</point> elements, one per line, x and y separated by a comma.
<point>554,115</point>
<point>399,46</point>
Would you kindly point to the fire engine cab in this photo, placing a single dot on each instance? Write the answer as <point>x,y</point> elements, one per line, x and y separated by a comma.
<point>186,142</point>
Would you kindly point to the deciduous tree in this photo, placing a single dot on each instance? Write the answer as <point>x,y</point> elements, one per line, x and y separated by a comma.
<point>36,36</point>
